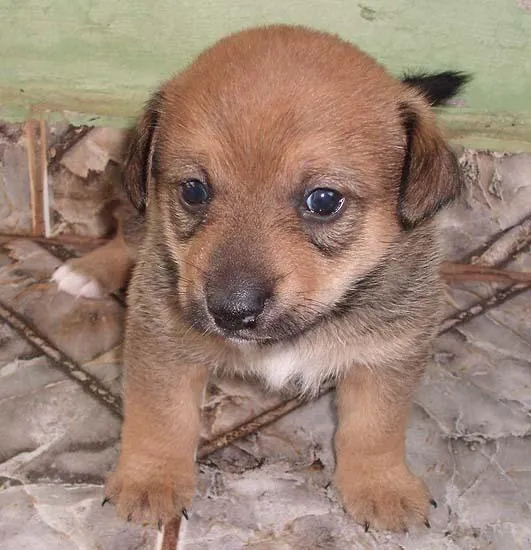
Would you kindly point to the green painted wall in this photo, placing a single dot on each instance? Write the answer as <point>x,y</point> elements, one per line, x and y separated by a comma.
<point>101,58</point>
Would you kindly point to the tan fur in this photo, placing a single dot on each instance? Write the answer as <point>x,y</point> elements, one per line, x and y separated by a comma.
<point>110,266</point>
<point>378,488</point>
<point>155,476</point>
<point>263,116</point>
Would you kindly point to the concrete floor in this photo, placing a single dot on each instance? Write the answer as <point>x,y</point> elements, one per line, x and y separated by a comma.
<point>469,435</point>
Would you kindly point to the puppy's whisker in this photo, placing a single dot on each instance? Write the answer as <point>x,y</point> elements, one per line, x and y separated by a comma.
<point>331,290</point>
<point>314,301</point>
<point>188,262</point>
<point>282,276</point>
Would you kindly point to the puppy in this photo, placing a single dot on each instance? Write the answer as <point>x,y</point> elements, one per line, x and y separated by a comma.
<point>285,186</point>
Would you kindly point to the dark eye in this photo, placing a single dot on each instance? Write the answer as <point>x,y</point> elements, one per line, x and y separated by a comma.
<point>324,202</point>
<point>194,192</point>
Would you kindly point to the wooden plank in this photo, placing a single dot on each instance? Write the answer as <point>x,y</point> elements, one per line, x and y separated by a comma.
<point>96,61</point>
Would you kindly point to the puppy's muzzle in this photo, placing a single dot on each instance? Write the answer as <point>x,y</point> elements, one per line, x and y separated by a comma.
<point>237,304</point>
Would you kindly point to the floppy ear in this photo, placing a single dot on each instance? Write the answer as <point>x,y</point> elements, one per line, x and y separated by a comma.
<point>430,175</point>
<point>139,164</point>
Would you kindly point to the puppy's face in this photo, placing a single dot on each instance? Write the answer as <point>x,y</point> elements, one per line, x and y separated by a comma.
<point>282,165</point>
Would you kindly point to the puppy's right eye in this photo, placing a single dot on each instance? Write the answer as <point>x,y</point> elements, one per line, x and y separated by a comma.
<point>194,192</point>
<point>324,202</point>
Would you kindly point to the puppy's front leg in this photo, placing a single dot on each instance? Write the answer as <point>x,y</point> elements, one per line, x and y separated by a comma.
<point>371,474</point>
<point>155,477</point>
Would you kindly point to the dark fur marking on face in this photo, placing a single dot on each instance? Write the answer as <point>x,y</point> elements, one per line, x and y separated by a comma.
<point>333,237</point>
<point>184,223</point>
<point>331,245</point>
<point>167,270</point>
<point>327,249</point>
<point>359,293</point>
<point>196,316</point>
<point>191,231</point>
<point>369,293</point>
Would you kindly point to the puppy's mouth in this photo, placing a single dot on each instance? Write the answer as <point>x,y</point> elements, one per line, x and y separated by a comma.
<point>270,326</point>
<point>242,338</point>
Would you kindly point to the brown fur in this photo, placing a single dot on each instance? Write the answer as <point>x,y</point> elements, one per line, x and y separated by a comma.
<point>264,116</point>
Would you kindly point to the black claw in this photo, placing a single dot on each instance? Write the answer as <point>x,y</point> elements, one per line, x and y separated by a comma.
<point>105,501</point>
<point>185,514</point>
<point>366,526</point>
<point>433,503</point>
<point>159,525</point>
<point>406,531</point>
<point>427,523</point>
<point>129,517</point>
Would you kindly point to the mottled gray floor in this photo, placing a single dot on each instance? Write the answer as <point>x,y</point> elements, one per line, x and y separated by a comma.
<point>468,436</point>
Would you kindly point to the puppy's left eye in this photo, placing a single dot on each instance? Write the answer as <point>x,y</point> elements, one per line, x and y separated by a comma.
<point>194,192</point>
<point>324,202</point>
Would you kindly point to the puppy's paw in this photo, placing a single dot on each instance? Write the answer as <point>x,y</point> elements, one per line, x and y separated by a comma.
<point>391,500</point>
<point>154,499</point>
<point>71,279</point>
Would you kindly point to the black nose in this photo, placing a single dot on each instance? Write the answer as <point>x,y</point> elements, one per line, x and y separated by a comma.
<point>238,305</point>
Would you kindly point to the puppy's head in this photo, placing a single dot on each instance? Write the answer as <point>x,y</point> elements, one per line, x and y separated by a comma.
<point>279,168</point>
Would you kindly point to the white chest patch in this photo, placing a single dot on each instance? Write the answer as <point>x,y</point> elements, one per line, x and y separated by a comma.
<point>280,366</point>
<point>308,363</point>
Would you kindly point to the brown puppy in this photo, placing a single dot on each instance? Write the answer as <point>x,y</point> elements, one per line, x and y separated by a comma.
<point>288,185</point>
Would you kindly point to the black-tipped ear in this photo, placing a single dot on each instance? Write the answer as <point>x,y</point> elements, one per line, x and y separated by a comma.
<point>430,176</point>
<point>437,88</point>
<point>140,161</point>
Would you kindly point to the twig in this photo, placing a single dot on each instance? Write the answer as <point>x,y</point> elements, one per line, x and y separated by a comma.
<point>251,426</point>
<point>501,250</point>
<point>506,245</point>
<point>62,362</point>
<point>44,177</point>
<point>35,191</point>
<point>59,239</point>
<point>455,272</point>
<point>94,387</point>
<point>58,246</point>
<point>477,309</point>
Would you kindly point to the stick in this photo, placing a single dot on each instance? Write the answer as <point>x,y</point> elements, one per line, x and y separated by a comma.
<point>477,309</point>
<point>35,203</point>
<point>94,242</point>
<point>62,362</point>
<point>254,424</point>
<point>44,178</point>
<point>506,245</point>
<point>455,272</point>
